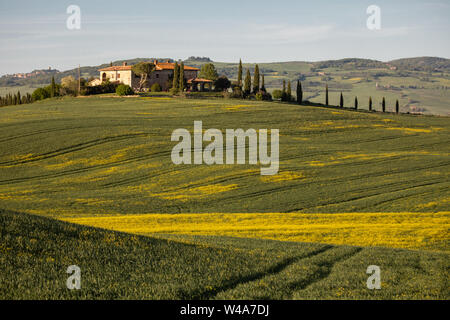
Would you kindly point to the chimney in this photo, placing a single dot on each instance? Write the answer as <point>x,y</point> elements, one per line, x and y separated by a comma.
<point>124,64</point>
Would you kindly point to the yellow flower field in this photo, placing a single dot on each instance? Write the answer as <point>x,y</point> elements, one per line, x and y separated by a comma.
<point>408,230</point>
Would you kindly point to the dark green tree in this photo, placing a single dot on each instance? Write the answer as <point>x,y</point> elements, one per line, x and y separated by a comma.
<point>208,71</point>
<point>181,85</point>
<point>263,84</point>
<point>256,78</point>
<point>397,107</point>
<point>356,103</point>
<point>240,73</point>
<point>143,70</point>
<point>326,95</point>
<point>289,91</point>
<point>341,102</point>
<point>383,105</point>
<point>53,88</point>
<point>39,94</point>
<point>248,83</point>
<point>299,92</point>
<point>222,83</point>
<point>19,98</point>
<point>176,77</point>
<point>370,103</point>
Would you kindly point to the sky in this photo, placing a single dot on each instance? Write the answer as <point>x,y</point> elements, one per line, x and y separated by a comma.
<point>34,34</point>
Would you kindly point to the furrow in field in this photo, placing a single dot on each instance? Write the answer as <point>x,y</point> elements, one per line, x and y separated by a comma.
<point>70,149</point>
<point>340,180</point>
<point>401,189</point>
<point>80,170</point>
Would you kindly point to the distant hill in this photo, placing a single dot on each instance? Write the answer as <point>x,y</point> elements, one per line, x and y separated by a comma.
<point>428,64</point>
<point>350,64</point>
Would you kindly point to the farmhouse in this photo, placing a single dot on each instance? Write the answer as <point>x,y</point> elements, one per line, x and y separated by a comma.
<point>162,75</point>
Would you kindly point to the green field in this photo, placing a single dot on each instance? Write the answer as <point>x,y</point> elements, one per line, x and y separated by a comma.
<point>36,251</point>
<point>86,158</point>
<point>112,155</point>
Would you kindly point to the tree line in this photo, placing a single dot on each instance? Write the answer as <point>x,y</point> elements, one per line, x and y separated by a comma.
<point>285,95</point>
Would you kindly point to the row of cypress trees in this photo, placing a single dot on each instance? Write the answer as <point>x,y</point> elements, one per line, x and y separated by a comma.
<point>15,99</point>
<point>258,80</point>
<point>341,101</point>
<point>383,103</point>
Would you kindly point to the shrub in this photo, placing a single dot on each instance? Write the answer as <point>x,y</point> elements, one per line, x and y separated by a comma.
<point>222,83</point>
<point>124,90</point>
<point>156,88</point>
<point>105,87</point>
<point>277,94</point>
<point>40,94</point>
<point>263,96</point>
<point>236,94</point>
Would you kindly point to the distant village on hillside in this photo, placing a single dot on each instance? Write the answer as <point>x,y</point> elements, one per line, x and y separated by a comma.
<point>34,73</point>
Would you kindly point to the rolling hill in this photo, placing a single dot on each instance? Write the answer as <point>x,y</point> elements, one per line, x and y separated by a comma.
<point>355,188</point>
<point>36,251</point>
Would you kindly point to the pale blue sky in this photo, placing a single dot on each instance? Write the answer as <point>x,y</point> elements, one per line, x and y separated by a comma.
<point>33,34</point>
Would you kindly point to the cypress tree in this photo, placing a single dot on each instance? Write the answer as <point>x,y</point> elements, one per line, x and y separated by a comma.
<point>299,92</point>
<point>283,93</point>
<point>53,88</point>
<point>326,95</point>
<point>341,103</point>
<point>19,98</point>
<point>397,107</point>
<point>289,91</point>
<point>370,103</point>
<point>182,77</point>
<point>356,103</point>
<point>383,105</point>
<point>176,77</point>
<point>240,73</point>
<point>248,83</point>
<point>256,77</point>
<point>263,84</point>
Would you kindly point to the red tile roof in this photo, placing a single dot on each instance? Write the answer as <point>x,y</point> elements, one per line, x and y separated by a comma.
<point>171,66</point>
<point>199,80</point>
<point>159,67</point>
<point>116,68</point>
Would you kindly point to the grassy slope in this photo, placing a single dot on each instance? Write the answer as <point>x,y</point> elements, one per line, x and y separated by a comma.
<point>89,156</point>
<point>36,251</point>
